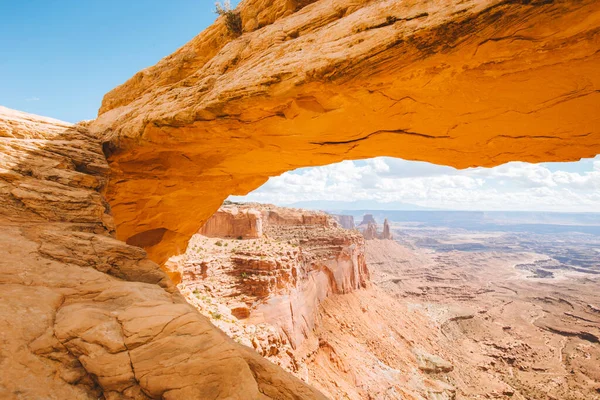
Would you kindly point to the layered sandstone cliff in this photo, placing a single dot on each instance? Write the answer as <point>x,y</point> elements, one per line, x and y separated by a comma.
<point>234,223</point>
<point>299,297</point>
<point>266,291</point>
<point>345,221</point>
<point>84,315</point>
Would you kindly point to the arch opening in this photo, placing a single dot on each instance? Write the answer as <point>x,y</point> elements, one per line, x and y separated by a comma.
<point>321,270</point>
<point>456,86</point>
<point>463,85</point>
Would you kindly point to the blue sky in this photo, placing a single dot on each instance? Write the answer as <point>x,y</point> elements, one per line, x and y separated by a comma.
<point>59,57</point>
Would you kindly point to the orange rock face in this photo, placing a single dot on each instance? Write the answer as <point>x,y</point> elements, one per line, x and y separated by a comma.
<point>84,315</point>
<point>475,83</point>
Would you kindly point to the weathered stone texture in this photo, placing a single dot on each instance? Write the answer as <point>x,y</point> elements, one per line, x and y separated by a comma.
<point>85,315</point>
<point>471,83</point>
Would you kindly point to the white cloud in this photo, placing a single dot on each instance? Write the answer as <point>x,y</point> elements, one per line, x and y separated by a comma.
<point>32,99</point>
<point>378,165</point>
<point>513,186</point>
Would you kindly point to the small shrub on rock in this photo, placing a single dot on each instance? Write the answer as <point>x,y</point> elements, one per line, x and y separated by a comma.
<point>233,20</point>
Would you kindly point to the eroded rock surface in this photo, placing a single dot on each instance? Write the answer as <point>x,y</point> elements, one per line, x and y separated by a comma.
<point>471,83</point>
<point>265,292</point>
<point>84,315</point>
<point>234,223</point>
<point>300,296</point>
<point>345,221</point>
<point>502,333</point>
<point>480,82</point>
<point>369,229</point>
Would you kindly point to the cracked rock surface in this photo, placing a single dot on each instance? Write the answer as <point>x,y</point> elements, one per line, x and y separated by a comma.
<point>86,316</point>
<point>470,83</point>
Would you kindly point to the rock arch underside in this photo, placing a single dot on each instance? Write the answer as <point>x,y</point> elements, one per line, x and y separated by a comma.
<point>86,312</point>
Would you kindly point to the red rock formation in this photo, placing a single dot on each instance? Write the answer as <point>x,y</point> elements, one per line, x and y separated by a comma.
<point>367,219</point>
<point>232,222</point>
<point>368,227</point>
<point>370,232</point>
<point>345,221</point>
<point>456,83</point>
<point>290,216</point>
<point>85,315</point>
<point>266,292</point>
<point>386,234</point>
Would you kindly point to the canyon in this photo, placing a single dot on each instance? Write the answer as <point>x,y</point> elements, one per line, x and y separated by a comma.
<point>92,211</point>
<point>266,291</point>
<point>505,334</point>
<point>426,321</point>
<point>301,296</point>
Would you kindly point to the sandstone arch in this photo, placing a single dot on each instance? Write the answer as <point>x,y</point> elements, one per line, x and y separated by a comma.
<point>308,83</point>
<point>476,83</point>
<point>84,315</point>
